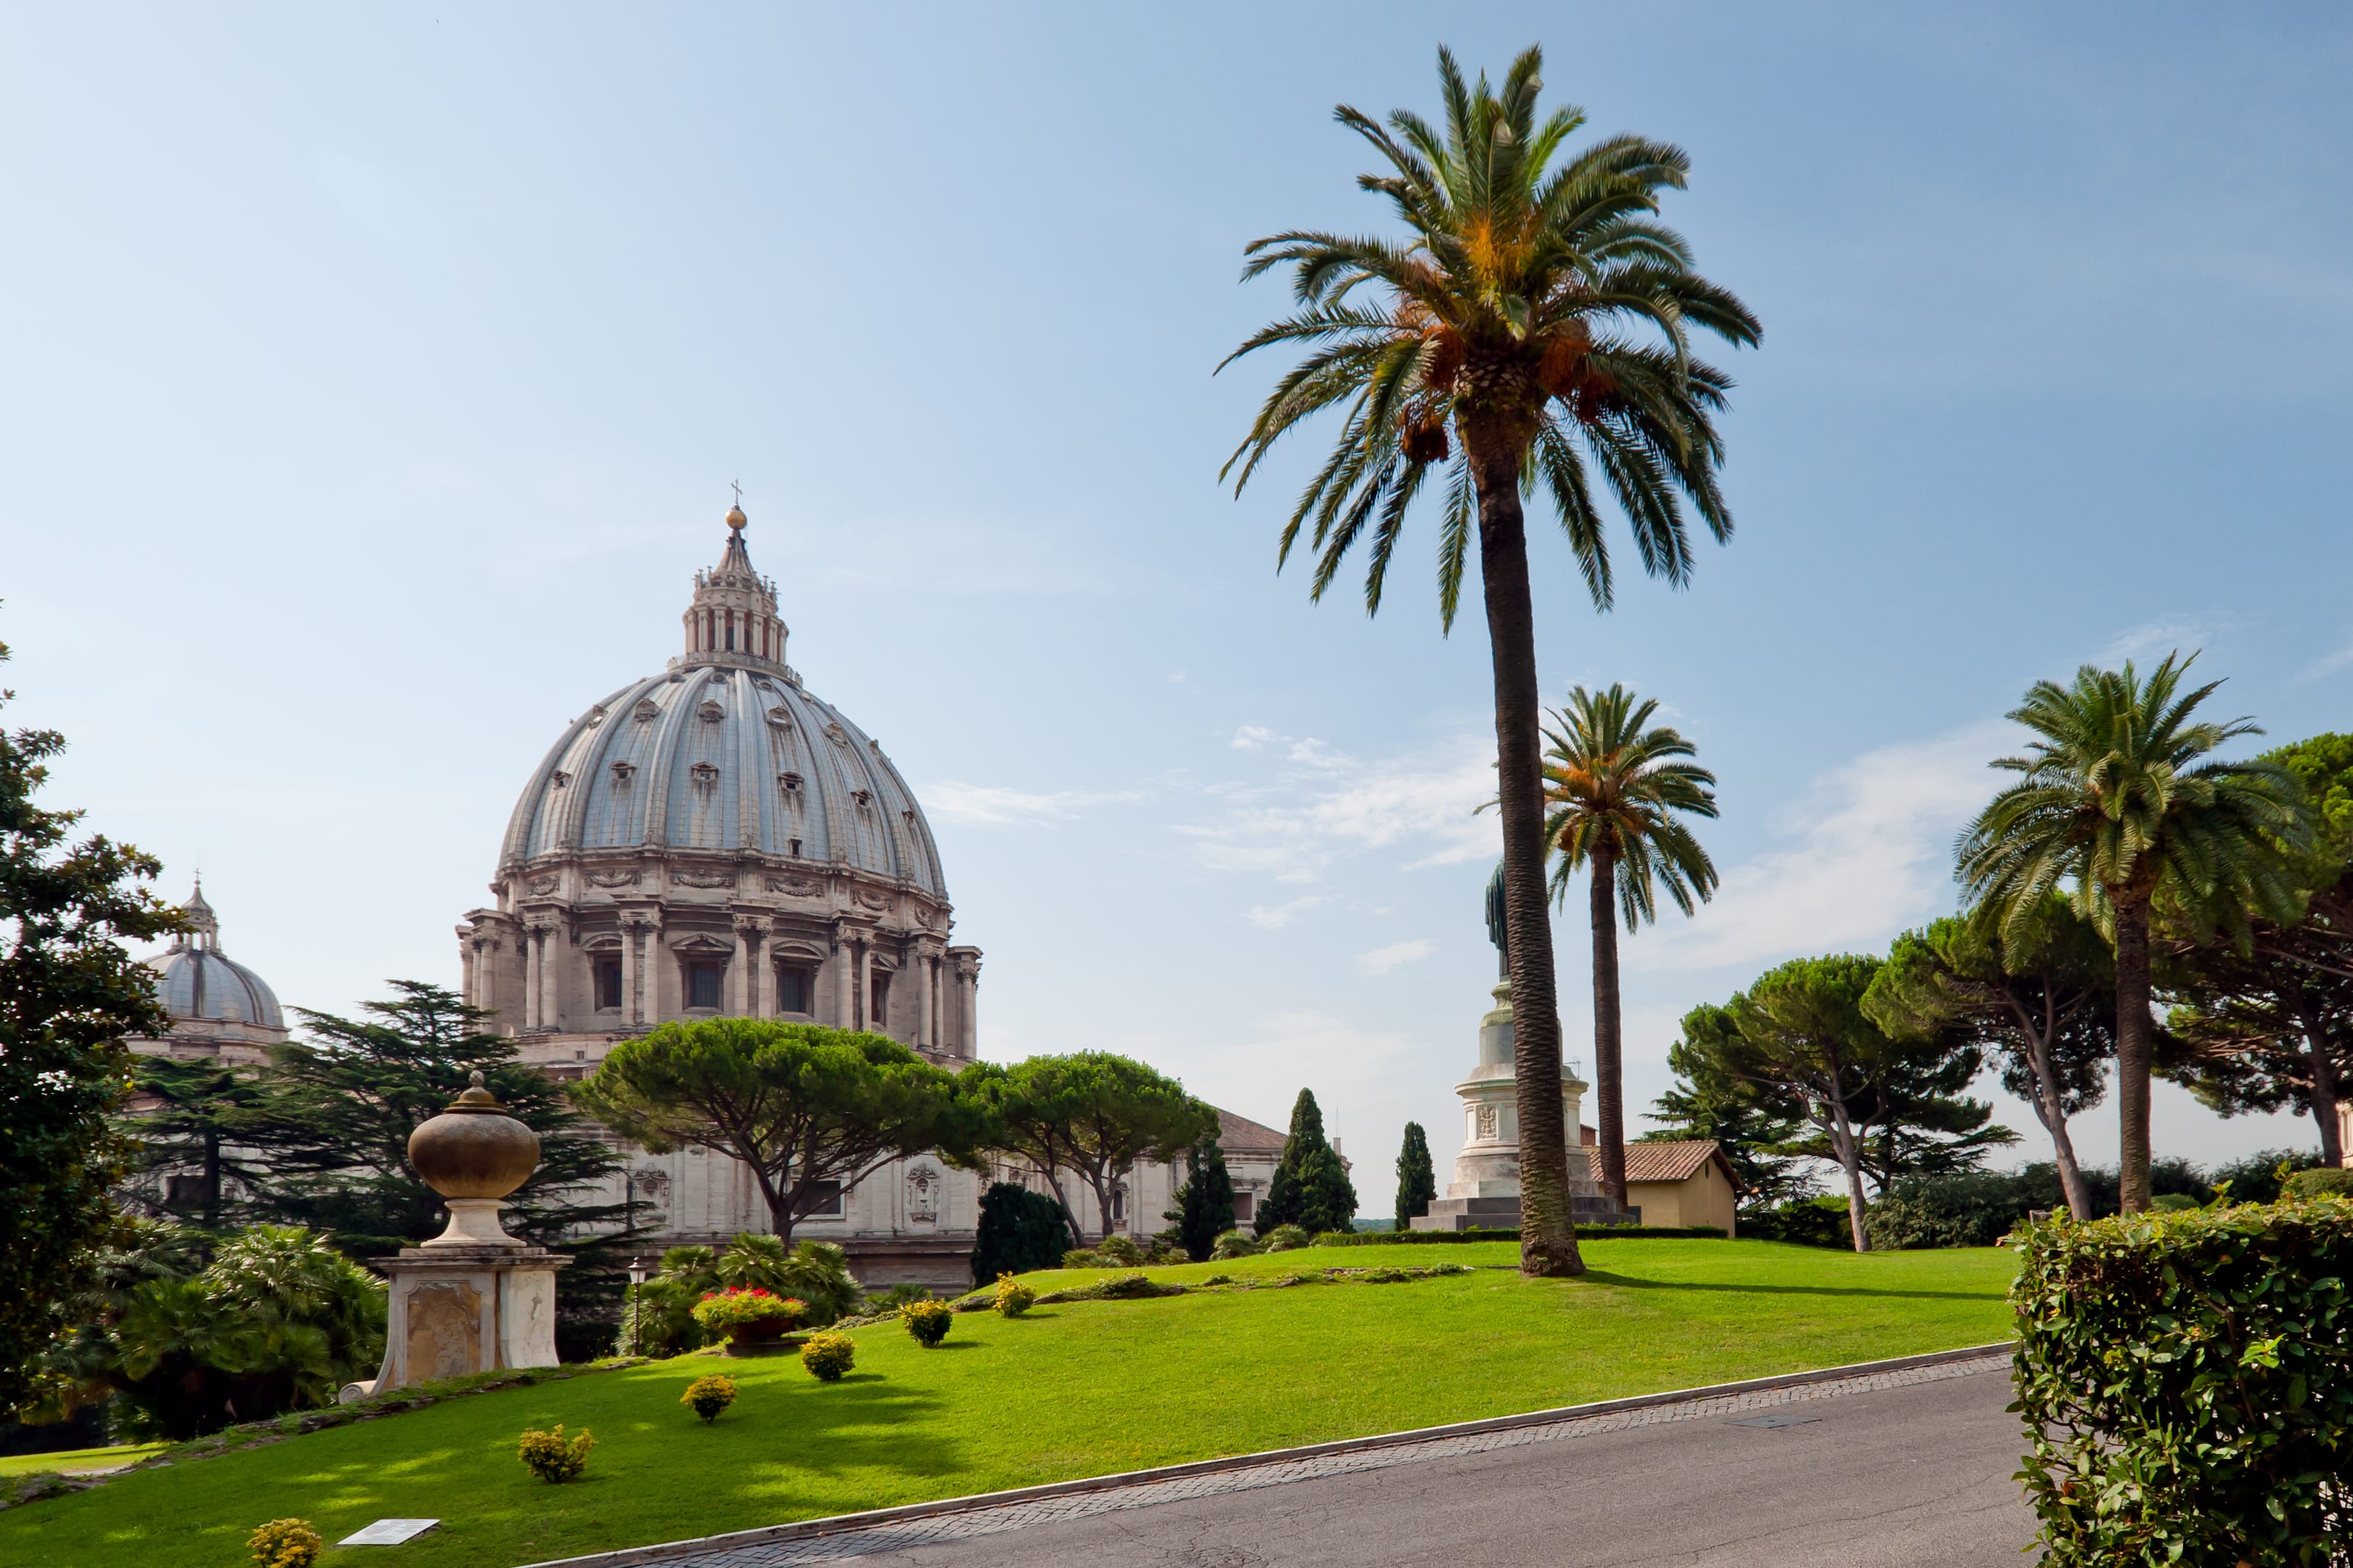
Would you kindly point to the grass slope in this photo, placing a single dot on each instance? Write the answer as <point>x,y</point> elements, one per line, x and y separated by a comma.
<point>1074,1390</point>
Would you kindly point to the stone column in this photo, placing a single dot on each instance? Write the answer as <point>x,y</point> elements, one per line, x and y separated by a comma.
<point>633,1006</point>
<point>918,970</point>
<point>663,979</point>
<point>967,972</point>
<point>939,1005</point>
<point>739,979</point>
<point>554,944</point>
<point>841,972</point>
<point>862,981</point>
<point>533,953</point>
<point>466,965</point>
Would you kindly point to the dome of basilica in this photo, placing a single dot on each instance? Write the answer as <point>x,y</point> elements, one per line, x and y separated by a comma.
<point>728,760</point>
<point>218,1006</point>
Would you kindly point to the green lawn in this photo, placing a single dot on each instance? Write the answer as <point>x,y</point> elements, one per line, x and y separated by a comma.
<point>1071,1390</point>
<point>74,1461</point>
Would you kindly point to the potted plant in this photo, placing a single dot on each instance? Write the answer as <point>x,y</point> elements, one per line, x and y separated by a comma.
<point>749,1317</point>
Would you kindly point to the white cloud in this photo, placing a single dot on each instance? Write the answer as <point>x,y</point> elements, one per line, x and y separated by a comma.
<point>1296,827</point>
<point>1381,959</point>
<point>2327,666</point>
<point>2152,640</point>
<point>1251,737</point>
<point>1277,916</point>
<point>1872,852</point>
<point>990,805</point>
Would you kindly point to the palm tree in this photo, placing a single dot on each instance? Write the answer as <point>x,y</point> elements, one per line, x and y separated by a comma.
<point>1614,786</point>
<point>2120,797</point>
<point>1534,328</point>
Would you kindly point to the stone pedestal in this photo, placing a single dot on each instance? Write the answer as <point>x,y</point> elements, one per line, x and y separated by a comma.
<point>1485,1191</point>
<point>461,1309</point>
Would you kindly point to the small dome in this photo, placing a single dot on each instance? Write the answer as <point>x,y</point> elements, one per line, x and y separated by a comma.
<point>198,982</point>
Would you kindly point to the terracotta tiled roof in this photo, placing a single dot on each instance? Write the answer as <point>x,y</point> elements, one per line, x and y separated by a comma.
<point>1679,1162</point>
<point>1241,1135</point>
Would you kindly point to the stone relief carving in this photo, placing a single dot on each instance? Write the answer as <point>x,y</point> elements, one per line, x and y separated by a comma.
<point>546,882</point>
<point>627,878</point>
<point>870,898</point>
<point>445,1330</point>
<point>1486,1130</point>
<point>799,887</point>
<point>924,1184</point>
<point>689,876</point>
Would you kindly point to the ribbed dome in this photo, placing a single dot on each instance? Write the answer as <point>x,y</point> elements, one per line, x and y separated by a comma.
<point>196,980</point>
<point>731,760</point>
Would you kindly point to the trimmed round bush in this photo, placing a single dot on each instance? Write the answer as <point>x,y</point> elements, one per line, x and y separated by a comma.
<point>827,1356</point>
<point>707,1396</point>
<point>1233,1244</point>
<point>553,1457</point>
<point>1013,1298</point>
<point>286,1543</point>
<point>927,1321</point>
<point>2323,1183</point>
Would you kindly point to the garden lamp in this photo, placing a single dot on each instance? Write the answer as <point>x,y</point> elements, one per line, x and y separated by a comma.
<point>636,1296</point>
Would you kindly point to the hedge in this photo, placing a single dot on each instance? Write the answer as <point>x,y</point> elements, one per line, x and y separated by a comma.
<point>2187,1380</point>
<point>1596,1232</point>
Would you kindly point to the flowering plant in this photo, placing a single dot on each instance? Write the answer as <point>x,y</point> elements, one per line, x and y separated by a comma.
<point>738,1306</point>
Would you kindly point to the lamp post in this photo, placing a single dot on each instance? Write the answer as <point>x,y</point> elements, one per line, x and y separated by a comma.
<point>637,1298</point>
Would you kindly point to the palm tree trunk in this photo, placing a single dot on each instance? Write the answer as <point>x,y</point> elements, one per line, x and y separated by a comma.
<point>1548,1235</point>
<point>2132,1051</point>
<point>1608,1085</point>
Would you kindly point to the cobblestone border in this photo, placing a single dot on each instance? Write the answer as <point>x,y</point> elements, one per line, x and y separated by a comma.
<point>848,1535</point>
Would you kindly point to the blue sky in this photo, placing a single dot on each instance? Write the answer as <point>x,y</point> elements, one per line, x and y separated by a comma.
<point>373,381</point>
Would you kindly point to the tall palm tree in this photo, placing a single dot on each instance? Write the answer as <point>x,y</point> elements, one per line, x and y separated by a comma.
<point>1615,787</point>
<point>2120,797</point>
<point>1533,327</point>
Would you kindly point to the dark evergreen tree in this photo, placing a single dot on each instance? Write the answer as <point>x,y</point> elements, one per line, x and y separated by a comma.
<point>1019,1230</point>
<point>1310,1187</point>
<point>1204,1204</point>
<point>1417,1180</point>
<point>184,1122</point>
<point>69,992</point>
<point>1753,1126</point>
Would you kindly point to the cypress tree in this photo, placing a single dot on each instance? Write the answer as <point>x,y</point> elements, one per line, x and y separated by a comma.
<point>1204,1204</point>
<point>1019,1230</point>
<point>1417,1181</point>
<point>1310,1187</point>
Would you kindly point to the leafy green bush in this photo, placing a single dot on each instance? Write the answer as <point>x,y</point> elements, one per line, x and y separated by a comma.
<point>1285,1238</point>
<point>708,1396</point>
<point>1119,1249</point>
<point>927,1321</point>
<point>1013,1298</point>
<point>553,1457</point>
<point>2187,1383</point>
<point>2256,1178</point>
<point>1969,1208</point>
<point>658,1319</point>
<point>286,1543</point>
<point>896,1296</point>
<point>827,1356</point>
<point>1233,1244</point>
<point>1082,1257</point>
<point>2321,1183</point>
<point>1807,1222</point>
<point>2174,1202</point>
<point>1019,1230</point>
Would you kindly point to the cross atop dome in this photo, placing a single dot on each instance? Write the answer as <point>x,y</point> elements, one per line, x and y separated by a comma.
<point>733,618</point>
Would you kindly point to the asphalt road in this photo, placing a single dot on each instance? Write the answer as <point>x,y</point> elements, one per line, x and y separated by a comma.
<point>1916,1475</point>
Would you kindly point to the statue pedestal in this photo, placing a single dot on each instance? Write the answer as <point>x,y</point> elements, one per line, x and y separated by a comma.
<point>458,1309</point>
<point>1485,1191</point>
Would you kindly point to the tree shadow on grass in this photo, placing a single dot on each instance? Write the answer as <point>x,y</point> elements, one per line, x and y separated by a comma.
<point>1629,1282</point>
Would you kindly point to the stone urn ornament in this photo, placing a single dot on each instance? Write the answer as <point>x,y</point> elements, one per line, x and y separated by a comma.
<point>474,1154</point>
<point>473,1298</point>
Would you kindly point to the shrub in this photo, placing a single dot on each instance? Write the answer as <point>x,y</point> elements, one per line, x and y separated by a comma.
<point>2256,1178</point>
<point>896,1296</point>
<point>1219,1280</point>
<point>1284,1238</point>
<point>1082,1257</point>
<point>2174,1202</point>
<point>2321,1183</point>
<point>553,1457</point>
<point>1125,1287</point>
<point>658,1319</point>
<point>1019,1230</point>
<point>1970,1208</point>
<point>1230,1246</point>
<point>707,1396</point>
<point>1807,1222</point>
<point>1119,1249</point>
<point>827,1356</point>
<point>1013,1298</point>
<point>927,1321</point>
<point>739,1307</point>
<point>2187,1383</point>
<point>286,1543</point>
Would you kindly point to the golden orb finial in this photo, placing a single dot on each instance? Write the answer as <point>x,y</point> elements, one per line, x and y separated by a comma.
<point>735,518</point>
